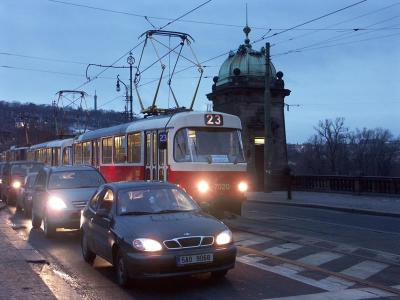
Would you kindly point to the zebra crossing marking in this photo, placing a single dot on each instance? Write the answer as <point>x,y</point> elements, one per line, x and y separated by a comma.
<point>349,294</point>
<point>283,248</point>
<point>319,258</point>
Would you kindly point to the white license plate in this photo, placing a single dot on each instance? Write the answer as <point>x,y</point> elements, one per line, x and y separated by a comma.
<point>194,259</point>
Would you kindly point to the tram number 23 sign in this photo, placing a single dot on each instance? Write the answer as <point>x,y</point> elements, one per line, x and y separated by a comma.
<point>213,119</point>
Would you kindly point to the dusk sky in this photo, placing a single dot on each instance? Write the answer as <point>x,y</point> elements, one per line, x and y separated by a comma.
<point>343,65</point>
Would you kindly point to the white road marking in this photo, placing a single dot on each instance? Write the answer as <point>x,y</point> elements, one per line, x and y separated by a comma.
<point>281,249</point>
<point>362,270</point>
<point>365,269</point>
<point>319,258</point>
<point>350,294</point>
<point>284,270</point>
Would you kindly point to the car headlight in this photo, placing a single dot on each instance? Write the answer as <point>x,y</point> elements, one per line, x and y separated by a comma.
<point>56,203</point>
<point>225,237</point>
<point>243,186</point>
<point>147,245</point>
<point>203,186</point>
<point>16,184</point>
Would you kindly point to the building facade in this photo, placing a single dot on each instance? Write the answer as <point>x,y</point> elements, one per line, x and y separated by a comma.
<point>239,90</point>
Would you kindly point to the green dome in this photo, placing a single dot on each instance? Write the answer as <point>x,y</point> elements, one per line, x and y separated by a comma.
<point>244,62</point>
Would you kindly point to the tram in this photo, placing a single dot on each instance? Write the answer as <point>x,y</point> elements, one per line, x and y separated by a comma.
<point>52,153</point>
<point>200,151</point>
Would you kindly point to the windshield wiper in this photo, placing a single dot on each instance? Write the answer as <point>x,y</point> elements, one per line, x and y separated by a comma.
<point>136,213</point>
<point>167,211</point>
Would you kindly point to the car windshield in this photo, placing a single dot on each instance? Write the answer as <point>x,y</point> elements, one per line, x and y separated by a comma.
<point>74,179</point>
<point>154,200</point>
<point>23,169</point>
<point>212,145</point>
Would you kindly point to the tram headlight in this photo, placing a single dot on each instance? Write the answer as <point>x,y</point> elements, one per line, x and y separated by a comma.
<point>203,186</point>
<point>243,186</point>
<point>16,184</point>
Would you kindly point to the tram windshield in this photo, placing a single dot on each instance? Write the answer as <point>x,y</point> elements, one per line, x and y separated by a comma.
<point>212,145</point>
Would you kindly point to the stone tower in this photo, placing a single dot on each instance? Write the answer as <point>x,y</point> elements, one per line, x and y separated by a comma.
<point>239,90</point>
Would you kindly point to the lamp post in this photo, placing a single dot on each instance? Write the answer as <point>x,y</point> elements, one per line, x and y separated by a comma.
<point>127,98</point>
<point>130,60</point>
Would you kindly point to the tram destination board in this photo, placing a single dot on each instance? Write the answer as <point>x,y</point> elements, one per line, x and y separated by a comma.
<point>213,120</point>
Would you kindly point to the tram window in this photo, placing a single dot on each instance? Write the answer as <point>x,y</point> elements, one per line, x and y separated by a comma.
<point>48,156</point>
<point>134,147</point>
<point>65,156</point>
<point>86,153</point>
<point>155,148</point>
<point>181,149</point>
<point>119,149</point>
<point>148,148</point>
<point>106,151</point>
<point>78,154</point>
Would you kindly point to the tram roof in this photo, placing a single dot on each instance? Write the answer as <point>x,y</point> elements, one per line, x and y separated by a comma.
<point>53,143</point>
<point>181,119</point>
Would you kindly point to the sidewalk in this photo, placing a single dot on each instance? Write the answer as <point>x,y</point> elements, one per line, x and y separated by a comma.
<point>18,280</point>
<point>371,205</point>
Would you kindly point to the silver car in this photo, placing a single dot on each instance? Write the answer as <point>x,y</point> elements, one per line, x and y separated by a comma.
<point>60,193</point>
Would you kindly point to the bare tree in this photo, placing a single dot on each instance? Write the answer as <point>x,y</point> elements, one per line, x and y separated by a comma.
<point>333,135</point>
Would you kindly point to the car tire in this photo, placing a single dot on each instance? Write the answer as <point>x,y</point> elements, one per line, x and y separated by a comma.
<point>48,228</point>
<point>219,274</point>
<point>27,210</point>
<point>121,270</point>
<point>36,221</point>
<point>88,255</point>
<point>18,207</point>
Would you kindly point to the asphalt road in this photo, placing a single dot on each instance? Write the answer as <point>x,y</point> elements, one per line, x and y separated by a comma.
<point>250,279</point>
<point>374,232</point>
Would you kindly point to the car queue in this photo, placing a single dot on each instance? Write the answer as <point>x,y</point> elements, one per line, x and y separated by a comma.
<point>146,229</point>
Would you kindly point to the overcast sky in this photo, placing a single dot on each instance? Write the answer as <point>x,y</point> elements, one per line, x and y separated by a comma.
<point>344,65</point>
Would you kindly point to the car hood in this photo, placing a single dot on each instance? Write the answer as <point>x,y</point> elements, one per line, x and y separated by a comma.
<point>81,194</point>
<point>167,226</point>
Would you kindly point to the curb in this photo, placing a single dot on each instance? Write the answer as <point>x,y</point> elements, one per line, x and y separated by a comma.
<point>336,208</point>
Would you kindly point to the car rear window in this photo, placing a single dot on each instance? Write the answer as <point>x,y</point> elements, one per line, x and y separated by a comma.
<point>75,179</point>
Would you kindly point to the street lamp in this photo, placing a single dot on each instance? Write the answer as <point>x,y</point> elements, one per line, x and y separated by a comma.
<point>127,97</point>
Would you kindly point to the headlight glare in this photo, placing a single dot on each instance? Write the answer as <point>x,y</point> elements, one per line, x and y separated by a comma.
<point>203,186</point>
<point>147,245</point>
<point>225,237</point>
<point>243,186</point>
<point>56,203</point>
<point>16,184</point>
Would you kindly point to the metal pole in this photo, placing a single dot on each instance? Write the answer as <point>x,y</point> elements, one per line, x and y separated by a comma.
<point>130,94</point>
<point>267,123</point>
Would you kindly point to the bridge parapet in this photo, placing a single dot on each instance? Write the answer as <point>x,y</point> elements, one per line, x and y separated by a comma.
<point>347,184</point>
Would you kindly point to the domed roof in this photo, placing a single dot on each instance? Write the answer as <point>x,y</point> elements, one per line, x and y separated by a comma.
<point>244,62</point>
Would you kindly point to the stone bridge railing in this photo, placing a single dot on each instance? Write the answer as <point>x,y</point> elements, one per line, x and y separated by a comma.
<point>347,184</point>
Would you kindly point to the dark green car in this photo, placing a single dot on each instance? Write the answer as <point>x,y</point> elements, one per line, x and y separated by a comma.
<point>154,229</point>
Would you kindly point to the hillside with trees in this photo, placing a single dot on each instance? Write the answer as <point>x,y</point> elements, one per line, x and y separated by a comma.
<point>29,123</point>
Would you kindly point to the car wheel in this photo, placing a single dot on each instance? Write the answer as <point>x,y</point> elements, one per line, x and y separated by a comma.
<point>18,206</point>
<point>48,228</point>
<point>121,270</point>
<point>36,221</point>
<point>88,255</point>
<point>27,210</point>
<point>219,274</point>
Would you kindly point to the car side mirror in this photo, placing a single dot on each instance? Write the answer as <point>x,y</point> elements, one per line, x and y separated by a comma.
<point>102,212</point>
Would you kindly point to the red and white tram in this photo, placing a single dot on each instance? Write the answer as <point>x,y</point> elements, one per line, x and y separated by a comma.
<point>200,151</point>
<point>53,153</point>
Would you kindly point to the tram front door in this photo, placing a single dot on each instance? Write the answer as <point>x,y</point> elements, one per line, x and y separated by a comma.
<point>155,158</point>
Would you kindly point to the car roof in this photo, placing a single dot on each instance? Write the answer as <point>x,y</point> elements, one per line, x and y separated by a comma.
<point>24,162</point>
<point>139,184</point>
<point>71,168</point>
